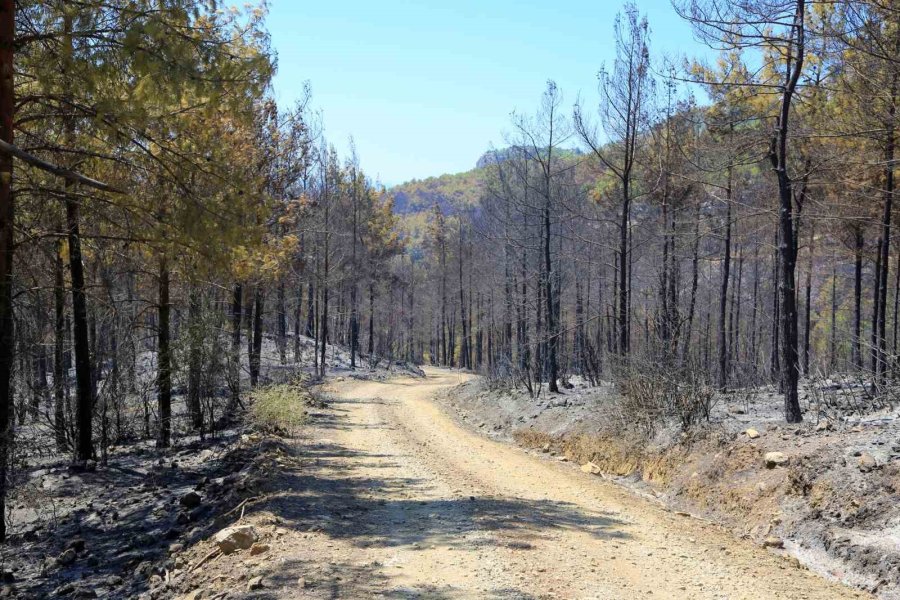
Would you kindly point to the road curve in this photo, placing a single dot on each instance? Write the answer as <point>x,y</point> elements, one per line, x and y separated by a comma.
<point>415,506</point>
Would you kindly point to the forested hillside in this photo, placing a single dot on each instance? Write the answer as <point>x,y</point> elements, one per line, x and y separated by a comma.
<point>450,192</point>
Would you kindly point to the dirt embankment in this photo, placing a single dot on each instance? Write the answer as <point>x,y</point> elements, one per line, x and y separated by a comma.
<point>826,491</point>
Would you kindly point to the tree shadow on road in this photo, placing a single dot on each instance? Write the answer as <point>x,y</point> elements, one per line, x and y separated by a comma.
<point>342,580</point>
<point>369,501</point>
<point>326,495</point>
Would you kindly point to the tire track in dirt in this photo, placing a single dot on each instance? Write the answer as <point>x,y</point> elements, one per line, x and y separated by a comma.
<point>416,506</point>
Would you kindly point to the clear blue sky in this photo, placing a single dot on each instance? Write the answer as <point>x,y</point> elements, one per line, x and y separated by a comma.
<point>424,87</point>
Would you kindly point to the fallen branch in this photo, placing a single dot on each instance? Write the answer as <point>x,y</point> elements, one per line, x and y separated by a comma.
<point>212,554</point>
<point>241,506</point>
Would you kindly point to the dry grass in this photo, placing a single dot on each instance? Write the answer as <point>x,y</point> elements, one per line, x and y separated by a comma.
<point>279,409</point>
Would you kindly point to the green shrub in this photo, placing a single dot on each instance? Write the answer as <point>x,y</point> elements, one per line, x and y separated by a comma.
<point>279,409</point>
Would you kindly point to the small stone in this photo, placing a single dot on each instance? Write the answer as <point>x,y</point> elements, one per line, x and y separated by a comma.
<point>867,462</point>
<point>67,557</point>
<point>258,548</point>
<point>752,433</point>
<point>191,500</point>
<point>237,537</point>
<point>255,584</point>
<point>592,468</point>
<point>775,459</point>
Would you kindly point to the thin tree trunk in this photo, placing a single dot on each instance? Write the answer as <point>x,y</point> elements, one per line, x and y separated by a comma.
<point>776,311</point>
<point>298,312</point>
<point>787,247</point>
<point>281,323</point>
<point>876,311</point>
<point>372,320</point>
<point>695,272</point>
<point>248,325</point>
<point>237,302</point>
<point>323,327</point>
<point>256,354</point>
<point>857,296</point>
<point>7,352</point>
<point>894,317</point>
<point>723,293</point>
<point>81,339</point>
<point>310,310</point>
<point>85,401</point>
<point>753,333</point>
<point>464,355</point>
<point>164,360</point>
<point>623,273</point>
<point>59,344</point>
<point>550,299</point>
<point>734,345</point>
<point>444,350</point>
<point>834,307</point>
<point>889,144</point>
<point>807,317</point>
<point>195,359</point>
<point>354,283</point>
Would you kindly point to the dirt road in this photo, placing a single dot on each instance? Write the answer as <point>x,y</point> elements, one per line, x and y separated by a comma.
<point>399,501</point>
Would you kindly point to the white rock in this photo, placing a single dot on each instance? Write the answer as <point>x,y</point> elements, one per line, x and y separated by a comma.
<point>237,537</point>
<point>591,468</point>
<point>255,583</point>
<point>774,459</point>
<point>867,462</point>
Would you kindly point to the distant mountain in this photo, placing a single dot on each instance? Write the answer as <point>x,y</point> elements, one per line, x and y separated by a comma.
<point>453,192</point>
